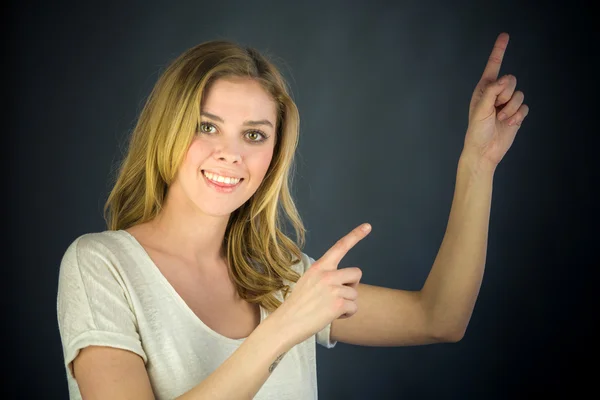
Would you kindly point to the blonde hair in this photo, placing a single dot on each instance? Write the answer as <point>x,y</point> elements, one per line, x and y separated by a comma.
<point>259,253</point>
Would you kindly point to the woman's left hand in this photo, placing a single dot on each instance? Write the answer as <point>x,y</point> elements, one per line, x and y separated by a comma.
<point>496,111</point>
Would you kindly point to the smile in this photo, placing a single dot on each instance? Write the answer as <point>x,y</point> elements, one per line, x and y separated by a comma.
<point>221,184</point>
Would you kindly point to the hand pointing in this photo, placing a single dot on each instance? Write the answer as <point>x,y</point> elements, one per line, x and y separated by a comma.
<point>496,110</point>
<point>323,293</point>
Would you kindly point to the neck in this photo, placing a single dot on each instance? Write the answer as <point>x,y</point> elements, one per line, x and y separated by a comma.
<point>189,233</point>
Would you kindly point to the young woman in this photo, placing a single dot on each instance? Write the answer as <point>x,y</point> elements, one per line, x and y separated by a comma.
<point>194,291</point>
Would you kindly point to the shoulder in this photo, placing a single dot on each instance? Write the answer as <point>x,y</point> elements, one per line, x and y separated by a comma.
<point>98,239</point>
<point>105,245</point>
<point>95,264</point>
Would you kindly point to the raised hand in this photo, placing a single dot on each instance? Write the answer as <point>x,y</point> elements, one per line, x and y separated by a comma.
<point>496,111</point>
<point>324,292</point>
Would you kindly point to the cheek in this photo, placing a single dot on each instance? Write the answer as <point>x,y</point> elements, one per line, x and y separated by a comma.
<point>197,153</point>
<point>259,162</point>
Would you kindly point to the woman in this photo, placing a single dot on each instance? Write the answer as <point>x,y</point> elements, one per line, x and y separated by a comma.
<point>194,291</point>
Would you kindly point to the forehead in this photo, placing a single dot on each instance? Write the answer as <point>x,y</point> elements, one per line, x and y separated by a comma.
<point>239,97</point>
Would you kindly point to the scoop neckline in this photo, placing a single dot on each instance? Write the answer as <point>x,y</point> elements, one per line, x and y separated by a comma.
<point>179,299</point>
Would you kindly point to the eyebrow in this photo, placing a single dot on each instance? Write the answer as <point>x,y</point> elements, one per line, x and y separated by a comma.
<point>248,123</point>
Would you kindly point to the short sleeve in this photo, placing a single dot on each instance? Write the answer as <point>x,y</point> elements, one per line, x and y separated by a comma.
<point>93,307</point>
<point>324,336</point>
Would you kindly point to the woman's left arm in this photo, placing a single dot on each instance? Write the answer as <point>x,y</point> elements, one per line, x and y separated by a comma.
<point>441,310</point>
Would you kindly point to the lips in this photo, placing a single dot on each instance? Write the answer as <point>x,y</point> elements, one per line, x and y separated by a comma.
<point>222,173</point>
<point>228,180</point>
<point>220,186</point>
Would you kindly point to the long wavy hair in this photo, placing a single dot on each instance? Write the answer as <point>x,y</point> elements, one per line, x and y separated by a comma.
<point>259,253</point>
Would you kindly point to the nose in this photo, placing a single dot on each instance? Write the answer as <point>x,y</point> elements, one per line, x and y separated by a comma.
<point>228,152</point>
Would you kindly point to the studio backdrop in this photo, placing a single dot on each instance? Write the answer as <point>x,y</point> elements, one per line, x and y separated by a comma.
<point>383,90</point>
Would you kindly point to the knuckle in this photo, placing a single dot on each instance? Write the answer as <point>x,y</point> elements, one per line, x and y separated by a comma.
<point>337,291</point>
<point>338,303</point>
<point>495,59</point>
<point>314,272</point>
<point>315,269</point>
<point>503,98</point>
<point>328,277</point>
<point>358,272</point>
<point>341,244</point>
<point>353,294</point>
<point>334,291</point>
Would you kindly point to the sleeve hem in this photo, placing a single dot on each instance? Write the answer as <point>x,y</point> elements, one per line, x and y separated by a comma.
<point>102,338</point>
<point>324,338</point>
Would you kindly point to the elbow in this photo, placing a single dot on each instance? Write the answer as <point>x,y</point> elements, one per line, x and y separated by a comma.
<point>445,325</point>
<point>450,334</point>
<point>455,336</point>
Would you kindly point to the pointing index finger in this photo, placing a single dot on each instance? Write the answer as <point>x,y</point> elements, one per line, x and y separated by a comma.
<point>492,68</point>
<point>334,255</point>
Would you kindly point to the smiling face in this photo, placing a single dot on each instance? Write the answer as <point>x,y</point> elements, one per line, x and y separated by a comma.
<point>236,139</point>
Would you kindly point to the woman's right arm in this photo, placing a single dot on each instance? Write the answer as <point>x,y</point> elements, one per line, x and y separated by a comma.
<point>322,294</point>
<point>106,372</point>
<point>247,369</point>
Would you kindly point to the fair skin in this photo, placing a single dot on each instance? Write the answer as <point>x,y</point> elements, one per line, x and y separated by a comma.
<point>441,310</point>
<point>189,231</point>
<point>193,220</point>
<point>235,138</point>
<point>378,316</point>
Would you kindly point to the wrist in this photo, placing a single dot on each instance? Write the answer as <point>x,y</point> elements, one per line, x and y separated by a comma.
<point>475,165</point>
<point>272,330</point>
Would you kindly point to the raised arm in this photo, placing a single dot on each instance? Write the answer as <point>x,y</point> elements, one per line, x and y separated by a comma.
<point>441,310</point>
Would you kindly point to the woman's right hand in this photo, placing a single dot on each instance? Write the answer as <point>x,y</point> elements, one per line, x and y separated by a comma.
<point>323,293</point>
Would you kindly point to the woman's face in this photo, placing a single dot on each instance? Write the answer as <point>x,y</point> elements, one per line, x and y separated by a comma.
<point>235,139</point>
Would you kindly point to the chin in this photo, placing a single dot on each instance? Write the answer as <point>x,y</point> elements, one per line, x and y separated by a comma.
<point>218,210</point>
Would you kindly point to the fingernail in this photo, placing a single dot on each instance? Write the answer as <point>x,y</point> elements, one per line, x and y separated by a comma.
<point>365,228</point>
<point>511,122</point>
<point>502,80</point>
<point>501,116</point>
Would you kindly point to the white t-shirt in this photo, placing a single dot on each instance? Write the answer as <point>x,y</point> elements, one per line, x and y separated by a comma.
<point>110,293</point>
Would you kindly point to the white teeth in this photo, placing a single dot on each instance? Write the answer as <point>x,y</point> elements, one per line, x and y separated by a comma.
<point>221,179</point>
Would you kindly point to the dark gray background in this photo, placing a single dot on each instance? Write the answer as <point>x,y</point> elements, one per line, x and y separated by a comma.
<point>383,90</point>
